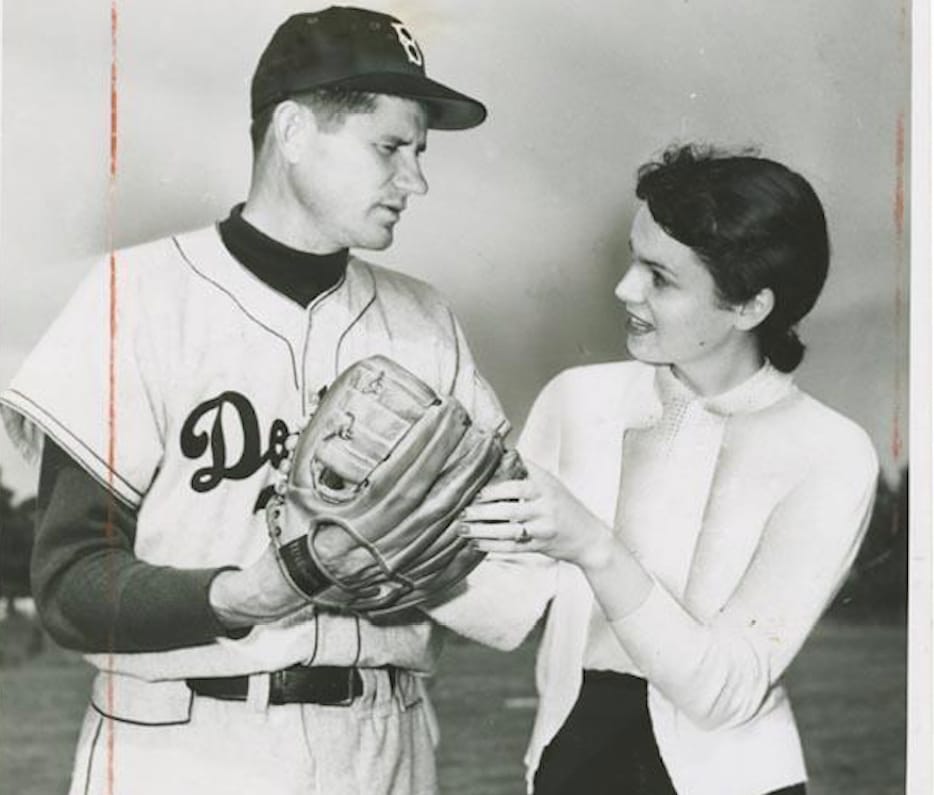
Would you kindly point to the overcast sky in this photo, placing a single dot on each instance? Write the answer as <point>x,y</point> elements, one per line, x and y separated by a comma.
<point>526,223</point>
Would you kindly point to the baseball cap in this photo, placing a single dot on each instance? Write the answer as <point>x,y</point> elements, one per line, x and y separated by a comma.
<point>359,50</point>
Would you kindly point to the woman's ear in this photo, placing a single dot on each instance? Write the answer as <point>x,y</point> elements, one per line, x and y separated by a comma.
<point>755,310</point>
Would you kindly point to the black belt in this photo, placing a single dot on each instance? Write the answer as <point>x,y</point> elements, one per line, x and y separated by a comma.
<point>629,683</point>
<point>299,684</point>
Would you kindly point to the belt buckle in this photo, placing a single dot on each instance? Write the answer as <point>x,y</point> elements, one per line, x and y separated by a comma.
<point>325,689</point>
<point>347,697</point>
<point>349,694</point>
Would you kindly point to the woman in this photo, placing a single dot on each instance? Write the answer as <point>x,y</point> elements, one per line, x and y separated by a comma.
<point>705,510</point>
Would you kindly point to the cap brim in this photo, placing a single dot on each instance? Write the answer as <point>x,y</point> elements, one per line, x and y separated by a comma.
<point>448,109</point>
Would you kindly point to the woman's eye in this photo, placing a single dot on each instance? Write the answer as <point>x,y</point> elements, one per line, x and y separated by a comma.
<point>659,280</point>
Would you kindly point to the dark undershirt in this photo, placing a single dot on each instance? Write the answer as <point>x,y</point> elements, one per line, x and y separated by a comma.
<point>296,274</point>
<point>93,594</point>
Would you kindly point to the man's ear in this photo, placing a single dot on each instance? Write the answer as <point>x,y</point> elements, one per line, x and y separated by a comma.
<point>292,123</point>
<point>751,313</point>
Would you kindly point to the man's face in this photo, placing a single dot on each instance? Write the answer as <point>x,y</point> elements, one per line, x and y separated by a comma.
<point>353,179</point>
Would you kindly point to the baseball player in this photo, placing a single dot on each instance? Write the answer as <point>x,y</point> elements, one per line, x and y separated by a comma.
<point>162,400</point>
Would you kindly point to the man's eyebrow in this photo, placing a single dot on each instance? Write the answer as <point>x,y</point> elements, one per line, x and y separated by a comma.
<point>398,140</point>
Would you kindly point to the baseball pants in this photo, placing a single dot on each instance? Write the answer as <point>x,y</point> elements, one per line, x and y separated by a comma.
<point>380,744</point>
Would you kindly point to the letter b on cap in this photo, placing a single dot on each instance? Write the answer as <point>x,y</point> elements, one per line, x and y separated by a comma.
<point>407,40</point>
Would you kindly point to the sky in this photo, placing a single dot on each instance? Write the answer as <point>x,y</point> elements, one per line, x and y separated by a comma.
<point>526,223</point>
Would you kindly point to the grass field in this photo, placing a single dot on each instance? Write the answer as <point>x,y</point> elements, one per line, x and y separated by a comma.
<point>848,688</point>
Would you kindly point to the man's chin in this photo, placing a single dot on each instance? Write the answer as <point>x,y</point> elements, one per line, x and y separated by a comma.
<point>376,241</point>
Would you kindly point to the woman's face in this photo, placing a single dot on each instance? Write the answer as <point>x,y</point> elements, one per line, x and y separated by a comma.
<point>675,316</point>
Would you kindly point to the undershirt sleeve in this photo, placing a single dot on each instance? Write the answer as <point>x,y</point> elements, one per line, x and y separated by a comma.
<point>92,593</point>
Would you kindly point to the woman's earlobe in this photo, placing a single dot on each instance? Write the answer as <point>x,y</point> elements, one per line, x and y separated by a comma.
<point>755,310</point>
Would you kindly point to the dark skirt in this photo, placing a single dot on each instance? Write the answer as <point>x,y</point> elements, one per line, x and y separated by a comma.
<point>607,747</point>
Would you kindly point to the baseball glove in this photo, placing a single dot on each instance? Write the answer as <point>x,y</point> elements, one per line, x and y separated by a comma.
<point>364,519</point>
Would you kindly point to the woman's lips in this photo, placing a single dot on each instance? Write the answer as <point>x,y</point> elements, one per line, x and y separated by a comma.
<point>635,325</point>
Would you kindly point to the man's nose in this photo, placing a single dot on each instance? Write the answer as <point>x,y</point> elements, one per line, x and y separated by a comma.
<point>410,177</point>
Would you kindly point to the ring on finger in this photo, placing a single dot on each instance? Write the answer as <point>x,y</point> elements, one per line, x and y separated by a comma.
<point>524,536</point>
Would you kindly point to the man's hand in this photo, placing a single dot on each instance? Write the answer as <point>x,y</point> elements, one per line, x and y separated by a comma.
<point>255,595</point>
<point>259,594</point>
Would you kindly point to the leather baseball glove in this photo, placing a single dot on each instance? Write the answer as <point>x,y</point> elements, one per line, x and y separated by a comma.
<point>364,519</point>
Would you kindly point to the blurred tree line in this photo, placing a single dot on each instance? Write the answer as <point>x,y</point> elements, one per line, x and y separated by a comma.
<point>876,588</point>
<point>16,537</point>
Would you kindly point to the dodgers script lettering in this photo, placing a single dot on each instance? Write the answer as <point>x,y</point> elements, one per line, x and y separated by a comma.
<point>203,432</point>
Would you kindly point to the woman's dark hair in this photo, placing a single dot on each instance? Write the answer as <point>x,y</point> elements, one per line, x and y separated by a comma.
<point>755,224</point>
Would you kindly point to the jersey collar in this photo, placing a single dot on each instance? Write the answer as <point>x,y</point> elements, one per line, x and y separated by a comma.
<point>205,253</point>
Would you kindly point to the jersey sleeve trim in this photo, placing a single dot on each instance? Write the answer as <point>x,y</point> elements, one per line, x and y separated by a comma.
<point>20,409</point>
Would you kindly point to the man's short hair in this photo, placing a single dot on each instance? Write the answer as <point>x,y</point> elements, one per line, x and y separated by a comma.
<point>331,107</point>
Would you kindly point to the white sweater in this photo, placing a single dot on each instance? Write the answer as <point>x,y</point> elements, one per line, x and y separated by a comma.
<point>747,509</point>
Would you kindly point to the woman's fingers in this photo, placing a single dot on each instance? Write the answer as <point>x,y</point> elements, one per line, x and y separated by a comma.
<point>506,490</point>
<point>502,517</point>
<point>496,531</point>
<point>488,545</point>
<point>502,511</point>
<point>499,536</point>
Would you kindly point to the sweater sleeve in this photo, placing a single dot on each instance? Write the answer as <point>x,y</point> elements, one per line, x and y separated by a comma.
<point>505,596</point>
<point>92,593</point>
<point>719,671</point>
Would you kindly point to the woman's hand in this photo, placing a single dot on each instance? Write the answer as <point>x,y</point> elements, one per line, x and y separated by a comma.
<point>538,514</point>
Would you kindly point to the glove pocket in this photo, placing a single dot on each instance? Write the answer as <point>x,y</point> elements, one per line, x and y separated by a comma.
<point>390,384</point>
<point>359,435</point>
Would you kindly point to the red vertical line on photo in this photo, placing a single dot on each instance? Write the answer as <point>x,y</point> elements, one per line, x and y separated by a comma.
<point>899,221</point>
<point>111,368</point>
<point>898,218</point>
<point>903,27</point>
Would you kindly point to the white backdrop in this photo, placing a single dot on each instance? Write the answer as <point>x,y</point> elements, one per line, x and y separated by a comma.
<point>526,223</point>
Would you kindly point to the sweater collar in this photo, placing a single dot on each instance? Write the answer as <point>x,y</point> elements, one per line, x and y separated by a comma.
<point>761,390</point>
